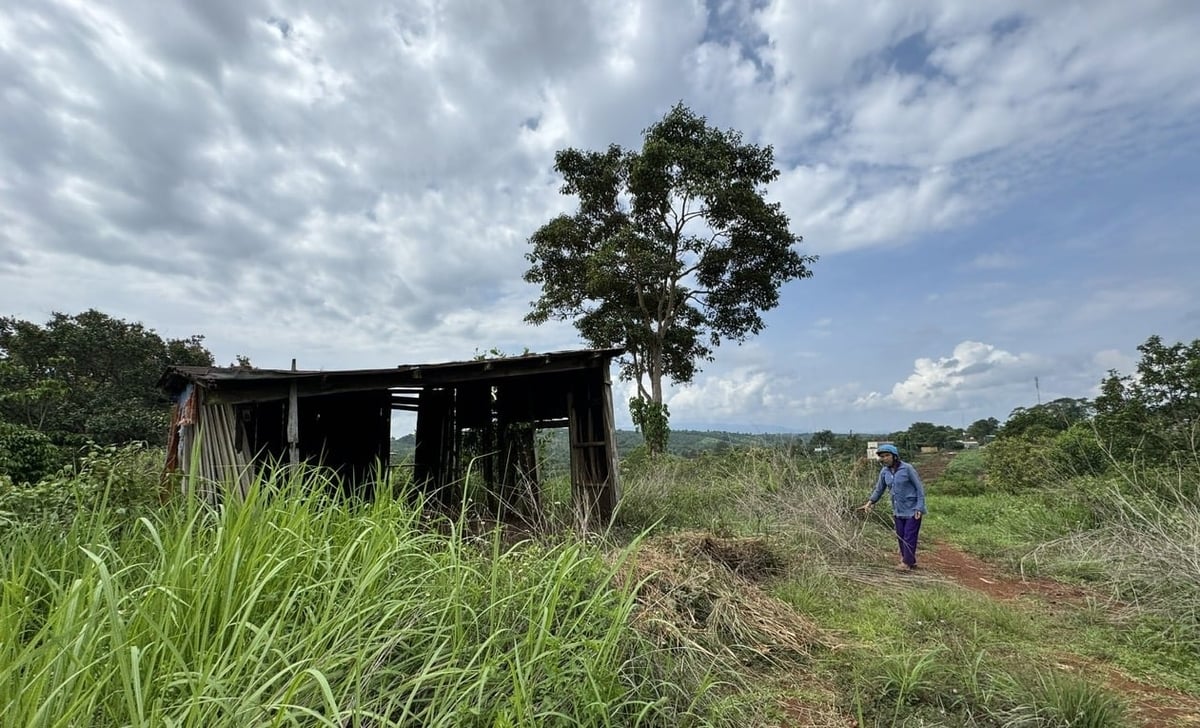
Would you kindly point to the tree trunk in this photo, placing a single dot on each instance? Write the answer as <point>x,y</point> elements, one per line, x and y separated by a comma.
<point>654,429</point>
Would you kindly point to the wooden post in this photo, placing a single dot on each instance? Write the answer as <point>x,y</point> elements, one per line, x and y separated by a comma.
<point>293,427</point>
<point>594,486</point>
<point>612,493</point>
<point>434,460</point>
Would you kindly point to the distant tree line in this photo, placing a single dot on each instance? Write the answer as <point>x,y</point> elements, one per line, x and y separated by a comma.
<point>79,379</point>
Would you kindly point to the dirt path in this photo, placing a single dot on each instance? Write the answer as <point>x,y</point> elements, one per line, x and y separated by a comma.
<point>1150,705</point>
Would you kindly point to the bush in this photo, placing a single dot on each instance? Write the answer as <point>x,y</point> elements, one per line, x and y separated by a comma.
<point>124,479</point>
<point>1016,464</point>
<point>26,455</point>
<point>1078,451</point>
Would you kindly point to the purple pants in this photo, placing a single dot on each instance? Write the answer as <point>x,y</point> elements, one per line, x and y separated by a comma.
<point>906,533</point>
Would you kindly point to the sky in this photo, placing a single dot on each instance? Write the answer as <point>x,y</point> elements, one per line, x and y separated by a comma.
<point>1004,196</point>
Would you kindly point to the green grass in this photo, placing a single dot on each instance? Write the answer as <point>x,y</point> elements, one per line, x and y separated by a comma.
<point>288,610</point>
<point>1005,527</point>
<point>291,610</point>
<point>923,653</point>
<point>964,475</point>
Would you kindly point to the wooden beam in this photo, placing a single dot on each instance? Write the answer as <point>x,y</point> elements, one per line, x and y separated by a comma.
<point>293,425</point>
<point>237,392</point>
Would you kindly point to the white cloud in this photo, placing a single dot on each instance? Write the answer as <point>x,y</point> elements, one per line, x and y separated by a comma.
<point>971,373</point>
<point>728,396</point>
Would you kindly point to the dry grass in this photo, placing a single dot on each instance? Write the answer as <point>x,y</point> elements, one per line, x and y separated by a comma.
<point>1148,553</point>
<point>698,591</point>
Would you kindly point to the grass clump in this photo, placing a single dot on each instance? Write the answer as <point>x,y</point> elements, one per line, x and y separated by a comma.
<point>1056,698</point>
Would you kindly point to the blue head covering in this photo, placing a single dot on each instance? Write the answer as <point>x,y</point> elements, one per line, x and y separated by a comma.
<point>888,448</point>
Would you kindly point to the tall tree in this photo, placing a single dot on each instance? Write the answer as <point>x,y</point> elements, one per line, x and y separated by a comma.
<point>824,438</point>
<point>673,249</point>
<point>980,429</point>
<point>88,376</point>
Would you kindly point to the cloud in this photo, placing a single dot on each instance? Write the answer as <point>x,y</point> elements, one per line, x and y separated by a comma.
<point>355,184</point>
<point>730,396</point>
<point>974,371</point>
<point>929,114</point>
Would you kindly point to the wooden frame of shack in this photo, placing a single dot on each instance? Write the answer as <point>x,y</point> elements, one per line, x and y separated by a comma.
<point>229,422</point>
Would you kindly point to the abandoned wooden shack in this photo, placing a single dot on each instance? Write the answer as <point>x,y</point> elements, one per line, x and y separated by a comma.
<point>229,423</point>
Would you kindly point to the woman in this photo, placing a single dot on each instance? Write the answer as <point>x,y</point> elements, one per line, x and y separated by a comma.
<point>908,501</point>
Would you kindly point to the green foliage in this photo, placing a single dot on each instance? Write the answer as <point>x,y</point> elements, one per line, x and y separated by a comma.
<point>1078,451</point>
<point>921,434</point>
<point>89,377</point>
<point>1017,463</point>
<point>940,655</point>
<point>285,611</point>
<point>672,250</point>
<point>25,454</point>
<point>1145,547</point>
<point>822,439</point>
<point>1045,420</point>
<point>286,608</point>
<point>651,418</point>
<point>1005,527</point>
<point>671,492</point>
<point>1155,415</point>
<point>119,480</point>
<point>850,445</point>
<point>965,475</point>
<point>983,429</point>
<point>1041,458</point>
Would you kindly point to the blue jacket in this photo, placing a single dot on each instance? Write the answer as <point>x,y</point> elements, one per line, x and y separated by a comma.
<point>908,493</point>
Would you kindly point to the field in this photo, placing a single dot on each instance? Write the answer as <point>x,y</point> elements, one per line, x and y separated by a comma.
<point>739,588</point>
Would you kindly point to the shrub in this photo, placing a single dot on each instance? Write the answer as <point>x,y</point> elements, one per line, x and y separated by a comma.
<point>1078,451</point>
<point>1016,464</point>
<point>26,455</point>
<point>124,479</point>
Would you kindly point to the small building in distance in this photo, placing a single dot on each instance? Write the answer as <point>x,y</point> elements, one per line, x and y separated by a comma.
<point>873,445</point>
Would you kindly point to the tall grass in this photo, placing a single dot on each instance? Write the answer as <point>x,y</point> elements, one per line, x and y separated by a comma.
<point>287,610</point>
<point>1145,550</point>
<point>761,490</point>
